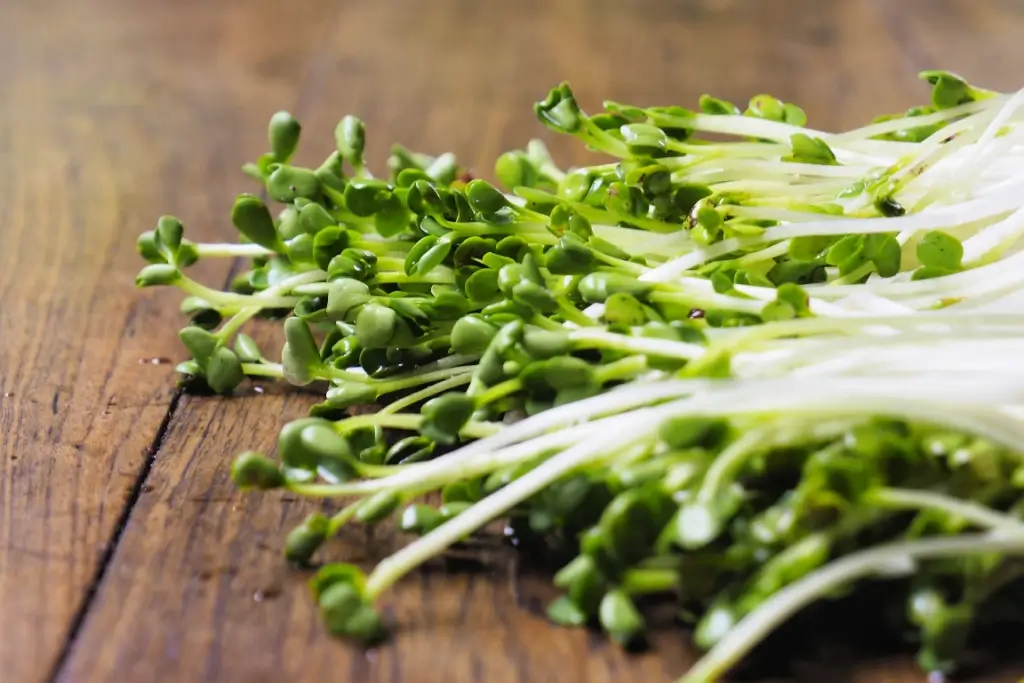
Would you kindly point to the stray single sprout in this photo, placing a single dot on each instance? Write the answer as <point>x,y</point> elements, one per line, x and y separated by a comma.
<point>741,374</point>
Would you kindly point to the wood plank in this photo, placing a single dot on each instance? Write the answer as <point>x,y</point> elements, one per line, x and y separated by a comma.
<point>112,112</point>
<point>197,590</point>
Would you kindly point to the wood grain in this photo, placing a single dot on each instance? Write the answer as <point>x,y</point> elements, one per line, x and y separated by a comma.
<point>111,112</point>
<point>116,111</point>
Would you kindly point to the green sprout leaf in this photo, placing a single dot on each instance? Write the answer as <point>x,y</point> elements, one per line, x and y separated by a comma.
<point>940,250</point>
<point>559,110</point>
<point>445,416</point>
<point>350,138</point>
<point>224,370</point>
<point>252,218</point>
<point>157,274</point>
<point>300,356</point>
<point>305,539</point>
<point>253,471</point>
<point>810,150</point>
<point>288,183</point>
<point>283,132</point>
<point>619,617</point>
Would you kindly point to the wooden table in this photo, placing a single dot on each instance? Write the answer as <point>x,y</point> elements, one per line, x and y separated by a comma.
<point>125,552</point>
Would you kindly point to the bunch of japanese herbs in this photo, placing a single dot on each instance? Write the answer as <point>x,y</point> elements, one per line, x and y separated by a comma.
<point>747,376</point>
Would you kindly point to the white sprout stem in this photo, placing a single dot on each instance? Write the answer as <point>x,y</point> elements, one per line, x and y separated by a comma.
<point>427,392</point>
<point>428,475</point>
<point>827,358</point>
<point>933,322</point>
<point>733,397</point>
<point>975,290</point>
<point>268,295</point>
<point>780,188</point>
<point>954,285</point>
<point>776,168</point>
<point>962,401</point>
<point>994,239</point>
<point>958,402</point>
<point>415,379</point>
<point>619,399</point>
<point>1001,118</point>
<point>890,560</point>
<point>942,165</point>
<point>703,298</point>
<point>766,150</point>
<point>848,398</point>
<point>904,123</point>
<point>639,242</point>
<point>275,370</point>
<point>223,300</point>
<point>939,143</point>
<point>456,465</point>
<point>475,430</point>
<point>437,541</point>
<point>881,355</point>
<point>231,250</point>
<point>713,176</point>
<point>1006,199</point>
<point>771,252</point>
<point>975,513</point>
<point>729,460</point>
<point>599,339</point>
<point>1004,432</point>
<point>776,214</point>
<point>746,126</point>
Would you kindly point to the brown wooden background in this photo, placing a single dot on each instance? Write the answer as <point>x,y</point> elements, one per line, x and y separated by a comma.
<point>125,553</point>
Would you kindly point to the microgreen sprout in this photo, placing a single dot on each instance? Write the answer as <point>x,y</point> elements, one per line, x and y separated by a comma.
<point>744,374</point>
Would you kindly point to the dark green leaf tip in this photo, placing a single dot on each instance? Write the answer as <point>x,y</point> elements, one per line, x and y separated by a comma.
<point>169,231</point>
<point>283,133</point>
<point>347,614</point>
<point>445,416</point>
<point>300,355</point>
<point>559,110</point>
<point>350,138</point>
<point>306,538</point>
<point>255,471</point>
<point>252,218</point>
<point>484,197</point>
<point>619,617</point>
<point>223,370</point>
<point>157,274</point>
<point>147,247</point>
<point>288,183</point>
